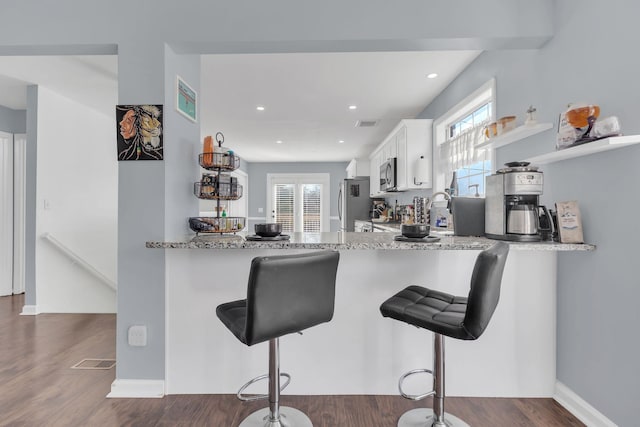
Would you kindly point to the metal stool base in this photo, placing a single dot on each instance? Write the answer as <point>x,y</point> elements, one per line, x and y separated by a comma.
<point>289,417</point>
<point>423,417</point>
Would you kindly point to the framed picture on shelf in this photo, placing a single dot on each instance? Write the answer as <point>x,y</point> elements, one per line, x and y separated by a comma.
<point>569,222</point>
<point>186,100</point>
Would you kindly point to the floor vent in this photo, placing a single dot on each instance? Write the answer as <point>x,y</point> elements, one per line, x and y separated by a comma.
<point>95,364</point>
<point>366,123</point>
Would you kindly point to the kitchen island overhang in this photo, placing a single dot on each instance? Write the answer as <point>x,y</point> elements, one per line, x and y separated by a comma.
<point>360,352</point>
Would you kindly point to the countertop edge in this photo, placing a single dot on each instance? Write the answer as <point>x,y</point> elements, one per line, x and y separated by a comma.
<point>472,245</point>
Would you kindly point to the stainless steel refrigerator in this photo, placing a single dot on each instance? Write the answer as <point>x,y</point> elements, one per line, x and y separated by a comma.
<point>353,202</point>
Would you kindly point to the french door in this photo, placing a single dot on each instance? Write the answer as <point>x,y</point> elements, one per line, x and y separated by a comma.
<point>300,202</point>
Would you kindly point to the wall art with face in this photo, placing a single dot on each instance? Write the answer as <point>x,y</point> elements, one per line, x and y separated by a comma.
<point>139,132</point>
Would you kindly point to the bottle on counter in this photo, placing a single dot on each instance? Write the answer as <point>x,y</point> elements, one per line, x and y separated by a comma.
<point>453,187</point>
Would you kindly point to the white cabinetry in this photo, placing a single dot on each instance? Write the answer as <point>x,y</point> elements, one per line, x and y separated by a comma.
<point>375,160</point>
<point>408,141</point>
<point>358,167</point>
<point>414,142</point>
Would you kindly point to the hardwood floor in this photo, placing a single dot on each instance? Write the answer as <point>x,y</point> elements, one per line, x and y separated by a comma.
<point>38,388</point>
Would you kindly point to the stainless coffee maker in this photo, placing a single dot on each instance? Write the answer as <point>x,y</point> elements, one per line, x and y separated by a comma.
<point>512,203</point>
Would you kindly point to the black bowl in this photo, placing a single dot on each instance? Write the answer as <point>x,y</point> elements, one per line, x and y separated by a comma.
<point>268,230</point>
<point>415,231</point>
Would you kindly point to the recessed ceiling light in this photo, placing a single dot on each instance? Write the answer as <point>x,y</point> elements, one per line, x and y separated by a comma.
<point>352,107</point>
<point>341,142</point>
<point>432,75</point>
<point>278,142</point>
<point>260,108</point>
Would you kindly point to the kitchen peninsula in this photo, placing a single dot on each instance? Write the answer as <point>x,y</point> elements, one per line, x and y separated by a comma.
<point>360,352</point>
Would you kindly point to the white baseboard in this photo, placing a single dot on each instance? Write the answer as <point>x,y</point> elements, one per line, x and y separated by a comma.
<point>137,389</point>
<point>580,408</point>
<point>29,310</point>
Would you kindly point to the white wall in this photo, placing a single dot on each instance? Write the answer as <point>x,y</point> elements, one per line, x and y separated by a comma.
<point>77,177</point>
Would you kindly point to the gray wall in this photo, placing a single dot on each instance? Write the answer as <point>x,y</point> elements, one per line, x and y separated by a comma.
<point>597,337</point>
<point>258,184</point>
<point>141,217</point>
<point>154,201</point>
<point>13,121</point>
<point>31,163</point>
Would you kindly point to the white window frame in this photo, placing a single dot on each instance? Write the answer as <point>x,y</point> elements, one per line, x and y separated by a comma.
<point>480,96</point>
<point>323,179</point>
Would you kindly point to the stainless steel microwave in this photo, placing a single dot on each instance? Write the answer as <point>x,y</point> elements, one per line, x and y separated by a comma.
<point>389,175</point>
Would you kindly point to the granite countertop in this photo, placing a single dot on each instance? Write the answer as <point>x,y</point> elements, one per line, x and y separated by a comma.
<point>348,241</point>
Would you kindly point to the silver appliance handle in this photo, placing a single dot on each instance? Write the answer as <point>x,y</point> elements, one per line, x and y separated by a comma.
<point>387,174</point>
<point>340,204</point>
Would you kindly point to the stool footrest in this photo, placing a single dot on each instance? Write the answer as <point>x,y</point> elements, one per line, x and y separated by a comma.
<point>414,396</point>
<point>250,398</point>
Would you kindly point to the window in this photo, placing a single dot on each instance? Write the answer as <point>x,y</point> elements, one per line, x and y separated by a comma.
<point>472,175</point>
<point>456,134</point>
<point>300,202</point>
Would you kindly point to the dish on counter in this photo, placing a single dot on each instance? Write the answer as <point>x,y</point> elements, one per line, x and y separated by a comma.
<point>256,238</point>
<point>428,239</point>
<point>272,229</point>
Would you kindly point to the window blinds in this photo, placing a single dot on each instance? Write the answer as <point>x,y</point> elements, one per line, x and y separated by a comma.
<point>284,206</point>
<point>311,208</point>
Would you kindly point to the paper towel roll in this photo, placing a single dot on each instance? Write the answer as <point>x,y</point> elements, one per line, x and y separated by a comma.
<point>422,171</point>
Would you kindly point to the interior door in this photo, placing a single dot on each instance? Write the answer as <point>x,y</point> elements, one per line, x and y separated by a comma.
<point>6,213</point>
<point>19,210</point>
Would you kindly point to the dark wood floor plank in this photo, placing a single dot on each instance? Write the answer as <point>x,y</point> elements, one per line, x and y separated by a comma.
<point>38,388</point>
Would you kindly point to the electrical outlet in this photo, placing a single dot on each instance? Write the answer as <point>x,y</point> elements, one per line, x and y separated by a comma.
<point>260,210</point>
<point>137,336</point>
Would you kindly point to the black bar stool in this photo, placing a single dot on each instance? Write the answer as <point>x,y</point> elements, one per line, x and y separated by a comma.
<point>464,318</point>
<point>285,294</point>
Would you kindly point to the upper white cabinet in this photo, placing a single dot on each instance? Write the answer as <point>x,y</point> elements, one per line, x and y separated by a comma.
<point>358,167</point>
<point>408,142</point>
<point>375,160</point>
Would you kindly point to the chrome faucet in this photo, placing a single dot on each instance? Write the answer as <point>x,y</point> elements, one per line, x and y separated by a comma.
<point>446,197</point>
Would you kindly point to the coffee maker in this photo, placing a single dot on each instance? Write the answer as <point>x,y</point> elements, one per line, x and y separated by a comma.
<point>512,210</point>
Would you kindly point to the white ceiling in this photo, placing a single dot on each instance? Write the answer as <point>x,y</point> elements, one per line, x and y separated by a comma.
<point>305,95</point>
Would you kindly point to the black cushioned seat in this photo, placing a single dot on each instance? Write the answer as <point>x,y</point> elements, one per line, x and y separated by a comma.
<point>458,317</point>
<point>433,310</point>
<point>285,294</point>
<point>464,318</point>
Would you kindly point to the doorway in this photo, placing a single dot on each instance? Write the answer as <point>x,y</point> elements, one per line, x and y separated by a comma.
<point>300,202</point>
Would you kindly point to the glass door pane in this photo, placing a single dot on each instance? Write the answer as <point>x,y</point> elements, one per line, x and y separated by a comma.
<point>284,206</point>
<point>311,208</point>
